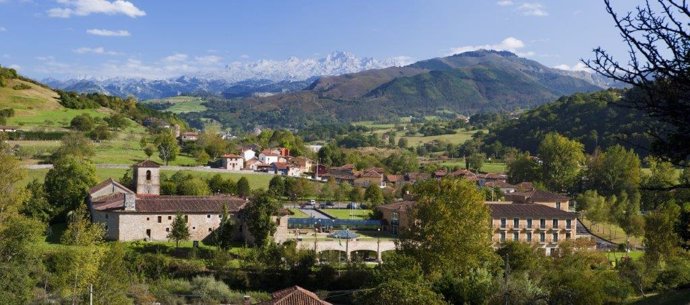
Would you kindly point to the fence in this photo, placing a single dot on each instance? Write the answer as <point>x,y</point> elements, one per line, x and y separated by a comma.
<point>296,223</point>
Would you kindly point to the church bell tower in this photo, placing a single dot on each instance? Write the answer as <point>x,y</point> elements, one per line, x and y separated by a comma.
<point>147,178</point>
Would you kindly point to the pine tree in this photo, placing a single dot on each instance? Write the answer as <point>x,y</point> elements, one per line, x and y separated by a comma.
<point>179,231</point>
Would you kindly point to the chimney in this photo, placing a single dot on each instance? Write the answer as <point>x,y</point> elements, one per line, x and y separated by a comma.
<point>130,202</point>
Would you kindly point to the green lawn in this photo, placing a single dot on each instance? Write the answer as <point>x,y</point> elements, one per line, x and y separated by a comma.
<point>613,256</point>
<point>348,213</point>
<point>457,138</point>
<point>296,213</point>
<point>611,232</point>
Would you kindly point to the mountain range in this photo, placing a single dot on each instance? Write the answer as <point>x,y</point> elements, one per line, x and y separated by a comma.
<point>237,79</point>
<point>465,83</point>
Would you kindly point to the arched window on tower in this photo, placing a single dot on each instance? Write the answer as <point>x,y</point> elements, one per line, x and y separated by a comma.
<point>148,175</point>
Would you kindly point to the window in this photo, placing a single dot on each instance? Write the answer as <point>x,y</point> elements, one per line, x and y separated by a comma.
<point>167,229</point>
<point>502,236</point>
<point>193,228</point>
<point>148,175</point>
<point>542,237</point>
<point>567,236</point>
<point>528,237</point>
<point>208,216</point>
<point>542,223</point>
<point>106,216</point>
<point>395,216</point>
<point>186,218</point>
<point>160,219</point>
<point>516,222</point>
<point>568,223</point>
<point>209,229</point>
<point>555,237</point>
<point>169,217</point>
<point>529,223</point>
<point>558,205</point>
<point>503,222</point>
<point>555,223</point>
<point>106,227</point>
<point>147,219</point>
<point>516,236</point>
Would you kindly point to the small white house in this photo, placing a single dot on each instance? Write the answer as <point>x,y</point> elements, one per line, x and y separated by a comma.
<point>248,154</point>
<point>233,162</point>
<point>269,157</point>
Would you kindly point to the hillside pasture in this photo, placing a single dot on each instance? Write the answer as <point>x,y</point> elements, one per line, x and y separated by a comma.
<point>180,104</point>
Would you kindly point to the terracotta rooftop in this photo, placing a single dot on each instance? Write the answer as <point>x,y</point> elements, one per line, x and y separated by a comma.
<point>393,178</point>
<point>372,173</point>
<point>231,156</point>
<point>294,295</point>
<point>113,201</point>
<point>105,183</point>
<point>281,165</point>
<point>188,204</point>
<point>507,210</point>
<point>536,196</point>
<point>147,163</point>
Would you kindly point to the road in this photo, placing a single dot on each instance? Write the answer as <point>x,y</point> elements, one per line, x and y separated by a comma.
<point>164,167</point>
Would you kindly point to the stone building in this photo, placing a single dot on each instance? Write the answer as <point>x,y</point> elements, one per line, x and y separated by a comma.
<point>232,162</point>
<point>144,214</point>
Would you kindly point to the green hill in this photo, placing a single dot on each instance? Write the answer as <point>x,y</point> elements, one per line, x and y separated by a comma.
<point>466,83</point>
<point>177,104</point>
<point>591,118</point>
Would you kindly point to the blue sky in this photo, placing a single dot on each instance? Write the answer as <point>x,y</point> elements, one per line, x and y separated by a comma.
<point>110,38</point>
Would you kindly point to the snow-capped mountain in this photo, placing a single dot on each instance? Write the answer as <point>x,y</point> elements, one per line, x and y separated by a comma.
<point>235,79</point>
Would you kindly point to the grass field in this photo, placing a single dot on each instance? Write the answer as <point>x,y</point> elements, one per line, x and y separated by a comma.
<point>182,104</point>
<point>347,213</point>
<point>460,137</point>
<point>611,232</point>
<point>296,213</point>
<point>255,181</point>
<point>613,256</point>
<point>493,167</point>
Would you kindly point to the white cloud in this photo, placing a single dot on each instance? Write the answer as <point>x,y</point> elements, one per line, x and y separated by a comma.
<point>87,7</point>
<point>208,60</point>
<point>108,33</point>
<point>511,44</point>
<point>178,57</point>
<point>576,67</point>
<point>97,50</point>
<point>533,9</point>
<point>505,3</point>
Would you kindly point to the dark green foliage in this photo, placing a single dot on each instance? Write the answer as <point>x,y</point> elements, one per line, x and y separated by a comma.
<point>401,163</point>
<point>606,124</point>
<point>243,189</point>
<point>114,280</point>
<point>36,205</point>
<point>258,214</point>
<point>277,186</point>
<point>83,122</point>
<point>117,121</point>
<point>179,230</point>
<point>21,86</point>
<point>68,182</point>
<point>19,261</point>
<point>5,114</point>
<point>219,185</point>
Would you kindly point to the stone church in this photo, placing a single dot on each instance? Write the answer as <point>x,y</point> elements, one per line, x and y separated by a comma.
<point>145,214</point>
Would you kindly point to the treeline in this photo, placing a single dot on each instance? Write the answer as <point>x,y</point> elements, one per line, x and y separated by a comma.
<point>129,107</point>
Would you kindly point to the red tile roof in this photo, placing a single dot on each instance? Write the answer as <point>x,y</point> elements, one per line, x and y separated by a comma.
<point>105,183</point>
<point>523,210</point>
<point>115,201</point>
<point>232,156</point>
<point>188,204</point>
<point>294,295</point>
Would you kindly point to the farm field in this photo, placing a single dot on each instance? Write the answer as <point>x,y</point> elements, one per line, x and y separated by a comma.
<point>348,213</point>
<point>493,167</point>
<point>181,104</point>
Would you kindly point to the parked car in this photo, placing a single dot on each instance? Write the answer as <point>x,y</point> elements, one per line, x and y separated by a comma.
<point>352,205</point>
<point>308,206</point>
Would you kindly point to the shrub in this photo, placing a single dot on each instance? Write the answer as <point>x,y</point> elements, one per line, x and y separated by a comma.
<point>21,86</point>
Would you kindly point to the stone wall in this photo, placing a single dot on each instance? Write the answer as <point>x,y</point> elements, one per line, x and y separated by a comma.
<point>134,226</point>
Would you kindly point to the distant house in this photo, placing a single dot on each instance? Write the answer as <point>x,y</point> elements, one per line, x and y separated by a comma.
<point>393,180</point>
<point>232,162</point>
<point>369,177</point>
<point>8,129</point>
<point>286,169</point>
<point>304,164</point>
<point>247,154</point>
<point>189,136</point>
<point>294,295</point>
<point>252,164</point>
<point>340,174</point>
<point>314,148</point>
<point>268,156</point>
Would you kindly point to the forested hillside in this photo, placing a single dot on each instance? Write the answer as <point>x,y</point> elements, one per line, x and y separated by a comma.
<point>590,118</point>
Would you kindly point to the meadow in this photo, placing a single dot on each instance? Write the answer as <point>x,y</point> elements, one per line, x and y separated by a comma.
<point>181,104</point>
<point>348,213</point>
